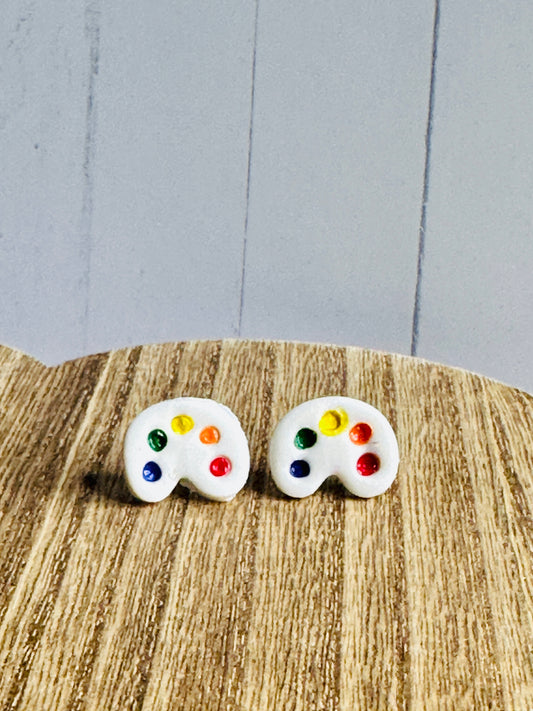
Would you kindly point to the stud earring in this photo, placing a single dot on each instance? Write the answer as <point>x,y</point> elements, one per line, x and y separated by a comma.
<point>334,436</point>
<point>194,441</point>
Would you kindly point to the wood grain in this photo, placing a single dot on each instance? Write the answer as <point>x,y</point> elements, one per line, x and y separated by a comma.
<point>420,598</point>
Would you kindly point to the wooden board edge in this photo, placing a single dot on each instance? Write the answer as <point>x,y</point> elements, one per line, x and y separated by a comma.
<point>7,351</point>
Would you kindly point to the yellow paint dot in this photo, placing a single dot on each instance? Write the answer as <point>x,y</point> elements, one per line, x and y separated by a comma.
<point>333,422</point>
<point>181,424</point>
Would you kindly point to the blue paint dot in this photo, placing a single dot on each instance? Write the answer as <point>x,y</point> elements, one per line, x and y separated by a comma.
<point>152,471</point>
<point>300,468</point>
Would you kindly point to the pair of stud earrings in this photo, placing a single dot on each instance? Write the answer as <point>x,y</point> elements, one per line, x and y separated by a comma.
<point>201,444</point>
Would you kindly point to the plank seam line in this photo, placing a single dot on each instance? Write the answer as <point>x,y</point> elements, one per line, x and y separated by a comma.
<point>92,31</point>
<point>248,171</point>
<point>425,192</point>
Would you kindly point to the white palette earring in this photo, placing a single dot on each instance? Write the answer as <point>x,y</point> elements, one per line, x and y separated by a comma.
<point>334,436</point>
<point>194,441</point>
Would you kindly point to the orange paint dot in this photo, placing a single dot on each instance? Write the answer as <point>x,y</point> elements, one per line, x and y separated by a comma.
<point>209,435</point>
<point>361,433</point>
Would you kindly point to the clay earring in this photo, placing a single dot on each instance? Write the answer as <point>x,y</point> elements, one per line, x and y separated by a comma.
<point>334,436</point>
<point>194,441</point>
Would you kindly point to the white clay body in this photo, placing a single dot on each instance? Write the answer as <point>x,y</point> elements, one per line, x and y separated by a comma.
<point>334,454</point>
<point>185,458</point>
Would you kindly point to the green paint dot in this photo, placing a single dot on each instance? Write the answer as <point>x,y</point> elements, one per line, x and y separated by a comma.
<point>305,438</point>
<point>157,440</point>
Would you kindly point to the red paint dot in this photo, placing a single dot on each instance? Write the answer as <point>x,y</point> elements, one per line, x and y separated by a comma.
<point>361,433</point>
<point>367,464</point>
<point>220,466</point>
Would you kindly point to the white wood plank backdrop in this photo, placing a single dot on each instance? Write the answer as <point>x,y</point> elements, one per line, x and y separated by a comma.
<point>356,172</point>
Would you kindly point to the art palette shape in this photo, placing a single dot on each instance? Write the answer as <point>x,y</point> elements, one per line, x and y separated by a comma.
<point>334,436</point>
<point>195,441</point>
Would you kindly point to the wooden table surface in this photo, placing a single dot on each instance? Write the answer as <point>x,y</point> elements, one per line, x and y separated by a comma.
<point>421,598</point>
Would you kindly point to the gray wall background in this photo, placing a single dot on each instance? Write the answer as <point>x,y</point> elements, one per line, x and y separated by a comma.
<point>355,172</point>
